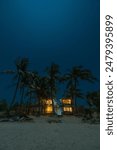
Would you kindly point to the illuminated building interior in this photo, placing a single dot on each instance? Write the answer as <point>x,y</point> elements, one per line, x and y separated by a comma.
<point>66,101</point>
<point>67,106</point>
<point>67,109</point>
<point>48,109</point>
<point>48,102</point>
<point>48,106</point>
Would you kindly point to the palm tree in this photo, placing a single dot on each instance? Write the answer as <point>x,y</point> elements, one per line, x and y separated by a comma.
<point>38,86</point>
<point>33,82</point>
<point>73,79</point>
<point>53,77</point>
<point>23,87</point>
<point>72,92</point>
<point>43,92</point>
<point>20,77</point>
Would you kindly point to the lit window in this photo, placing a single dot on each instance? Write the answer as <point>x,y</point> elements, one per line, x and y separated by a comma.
<point>49,102</point>
<point>67,109</point>
<point>49,109</point>
<point>66,101</point>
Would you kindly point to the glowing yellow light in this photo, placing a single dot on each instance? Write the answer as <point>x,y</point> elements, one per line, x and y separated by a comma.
<point>67,109</point>
<point>49,109</point>
<point>66,101</point>
<point>48,101</point>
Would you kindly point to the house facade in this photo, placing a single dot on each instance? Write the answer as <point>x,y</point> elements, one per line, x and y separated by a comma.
<point>46,107</point>
<point>66,106</point>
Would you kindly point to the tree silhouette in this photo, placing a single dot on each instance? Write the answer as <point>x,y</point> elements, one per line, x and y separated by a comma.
<point>53,77</point>
<point>20,77</point>
<point>73,79</point>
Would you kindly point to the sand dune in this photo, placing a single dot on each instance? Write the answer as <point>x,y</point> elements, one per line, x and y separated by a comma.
<point>71,134</point>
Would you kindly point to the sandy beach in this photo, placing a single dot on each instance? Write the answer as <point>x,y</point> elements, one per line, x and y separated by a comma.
<point>71,134</point>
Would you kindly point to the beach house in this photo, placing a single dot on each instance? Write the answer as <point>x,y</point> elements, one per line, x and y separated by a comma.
<point>64,106</point>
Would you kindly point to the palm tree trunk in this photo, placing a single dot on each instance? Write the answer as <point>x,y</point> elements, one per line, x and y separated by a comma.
<point>51,92</point>
<point>39,113</point>
<point>15,93</point>
<point>22,97</point>
<point>29,104</point>
<point>75,85</point>
<point>52,100</point>
<point>39,98</point>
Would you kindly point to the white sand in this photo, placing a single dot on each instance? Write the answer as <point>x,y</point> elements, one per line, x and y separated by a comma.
<point>71,134</point>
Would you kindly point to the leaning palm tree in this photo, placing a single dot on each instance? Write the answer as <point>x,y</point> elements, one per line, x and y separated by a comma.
<point>23,87</point>
<point>53,77</point>
<point>32,85</point>
<point>20,73</point>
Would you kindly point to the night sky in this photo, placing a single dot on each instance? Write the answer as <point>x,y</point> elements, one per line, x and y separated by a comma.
<point>62,31</point>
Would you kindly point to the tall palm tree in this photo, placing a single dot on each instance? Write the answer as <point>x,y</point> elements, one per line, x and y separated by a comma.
<point>73,78</point>
<point>43,92</point>
<point>71,92</point>
<point>53,77</point>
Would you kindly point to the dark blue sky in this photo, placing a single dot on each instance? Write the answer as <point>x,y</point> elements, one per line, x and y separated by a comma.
<point>61,31</point>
